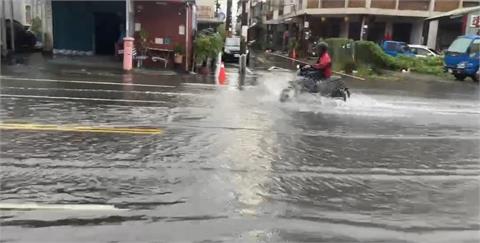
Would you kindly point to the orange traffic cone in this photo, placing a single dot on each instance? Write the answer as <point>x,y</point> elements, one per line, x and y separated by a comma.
<point>222,76</point>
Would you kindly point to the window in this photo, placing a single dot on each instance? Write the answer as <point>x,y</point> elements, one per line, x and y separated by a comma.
<point>402,47</point>
<point>28,14</point>
<point>432,50</point>
<point>391,46</point>
<point>423,52</point>
<point>460,45</point>
<point>475,47</point>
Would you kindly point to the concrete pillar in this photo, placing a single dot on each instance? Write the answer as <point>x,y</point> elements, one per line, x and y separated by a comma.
<point>48,26</point>
<point>344,29</point>
<point>389,28</point>
<point>368,3</point>
<point>3,29</point>
<point>363,30</point>
<point>431,7</point>
<point>417,33</point>
<point>12,32</point>
<point>432,34</point>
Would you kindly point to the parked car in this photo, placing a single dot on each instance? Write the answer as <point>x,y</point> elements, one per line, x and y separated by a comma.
<point>462,57</point>
<point>395,48</point>
<point>423,51</point>
<point>231,51</point>
<point>24,38</point>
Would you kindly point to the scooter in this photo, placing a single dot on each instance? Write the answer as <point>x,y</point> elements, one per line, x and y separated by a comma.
<point>309,81</point>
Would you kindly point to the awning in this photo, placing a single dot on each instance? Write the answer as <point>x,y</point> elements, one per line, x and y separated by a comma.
<point>458,11</point>
<point>209,21</point>
<point>273,21</point>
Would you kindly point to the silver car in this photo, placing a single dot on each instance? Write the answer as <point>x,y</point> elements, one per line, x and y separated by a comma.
<point>423,51</point>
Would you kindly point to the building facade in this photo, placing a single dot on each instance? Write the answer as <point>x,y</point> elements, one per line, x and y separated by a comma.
<point>444,28</point>
<point>374,20</point>
<point>208,15</point>
<point>27,12</point>
<point>97,27</point>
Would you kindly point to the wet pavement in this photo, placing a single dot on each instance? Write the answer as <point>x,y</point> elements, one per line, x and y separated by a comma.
<point>399,162</point>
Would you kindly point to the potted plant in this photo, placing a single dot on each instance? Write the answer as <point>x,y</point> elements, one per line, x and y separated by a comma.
<point>178,50</point>
<point>143,34</point>
<point>293,45</point>
<point>207,46</point>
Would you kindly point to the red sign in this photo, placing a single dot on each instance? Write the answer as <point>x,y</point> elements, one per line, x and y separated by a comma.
<point>475,21</point>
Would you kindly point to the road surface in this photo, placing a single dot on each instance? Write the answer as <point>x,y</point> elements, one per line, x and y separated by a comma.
<point>123,158</point>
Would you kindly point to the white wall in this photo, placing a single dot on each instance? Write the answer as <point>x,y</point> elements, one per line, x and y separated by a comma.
<point>432,34</point>
<point>19,10</point>
<point>417,33</point>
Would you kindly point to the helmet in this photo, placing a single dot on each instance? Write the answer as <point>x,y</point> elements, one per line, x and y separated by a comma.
<point>322,46</point>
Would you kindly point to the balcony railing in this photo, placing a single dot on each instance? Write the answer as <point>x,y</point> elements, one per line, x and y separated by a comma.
<point>414,5</point>
<point>333,3</point>
<point>356,3</point>
<point>420,5</point>
<point>446,5</point>
<point>386,4</point>
<point>312,3</point>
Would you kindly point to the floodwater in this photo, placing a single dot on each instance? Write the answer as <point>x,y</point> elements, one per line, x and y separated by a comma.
<point>399,162</point>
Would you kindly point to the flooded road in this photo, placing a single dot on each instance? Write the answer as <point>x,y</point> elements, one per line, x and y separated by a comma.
<point>398,163</point>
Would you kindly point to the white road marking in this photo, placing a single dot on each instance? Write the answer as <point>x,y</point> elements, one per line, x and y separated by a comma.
<point>202,84</point>
<point>85,82</point>
<point>106,90</point>
<point>35,206</point>
<point>81,98</point>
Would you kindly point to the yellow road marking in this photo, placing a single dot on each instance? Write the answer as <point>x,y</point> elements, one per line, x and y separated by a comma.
<point>65,128</point>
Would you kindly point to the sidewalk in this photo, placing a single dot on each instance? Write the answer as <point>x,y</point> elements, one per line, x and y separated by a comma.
<point>388,75</point>
<point>90,65</point>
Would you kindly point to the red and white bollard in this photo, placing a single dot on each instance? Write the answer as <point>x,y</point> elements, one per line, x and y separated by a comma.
<point>128,53</point>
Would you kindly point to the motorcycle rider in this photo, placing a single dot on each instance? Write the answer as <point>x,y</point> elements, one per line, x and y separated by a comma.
<point>324,62</point>
<point>319,71</point>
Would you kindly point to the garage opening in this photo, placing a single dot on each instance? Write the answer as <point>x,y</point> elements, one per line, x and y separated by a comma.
<point>376,32</point>
<point>107,32</point>
<point>87,26</point>
<point>402,32</point>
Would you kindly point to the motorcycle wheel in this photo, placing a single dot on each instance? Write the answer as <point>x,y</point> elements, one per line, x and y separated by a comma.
<point>285,95</point>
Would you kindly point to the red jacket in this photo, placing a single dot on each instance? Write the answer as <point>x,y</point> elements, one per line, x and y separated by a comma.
<point>324,63</point>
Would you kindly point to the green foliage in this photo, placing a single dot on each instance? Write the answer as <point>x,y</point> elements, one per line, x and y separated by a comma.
<point>369,58</point>
<point>341,52</point>
<point>221,30</point>
<point>178,49</point>
<point>36,26</point>
<point>293,44</point>
<point>207,46</point>
<point>143,35</point>
<point>427,65</point>
<point>367,52</point>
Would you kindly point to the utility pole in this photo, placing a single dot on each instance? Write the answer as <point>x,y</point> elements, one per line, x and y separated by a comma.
<point>3,30</point>
<point>228,21</point>
<point>217,7</point>
<point>244,35</point>
<point>12,31</point>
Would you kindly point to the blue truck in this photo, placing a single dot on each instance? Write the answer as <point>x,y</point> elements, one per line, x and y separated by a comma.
<point>395,48</point>
<point>462,57</point>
